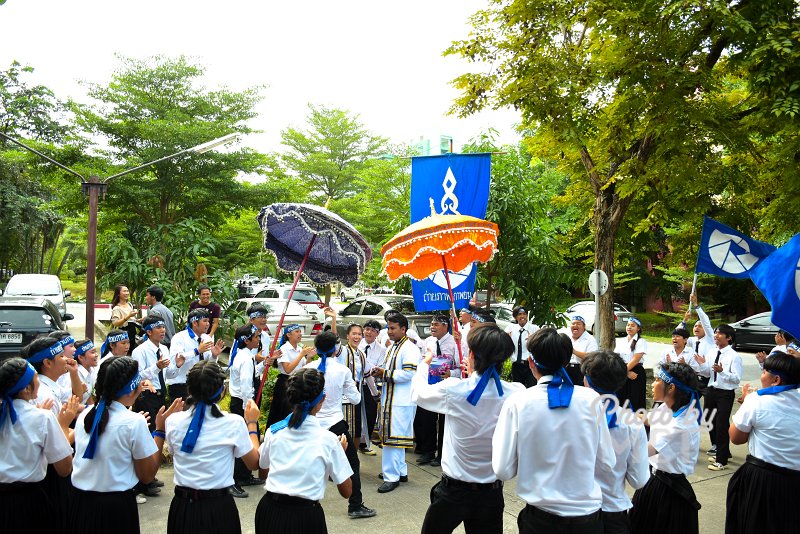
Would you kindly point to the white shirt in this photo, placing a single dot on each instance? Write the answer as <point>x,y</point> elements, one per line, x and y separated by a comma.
<point>88,377</point>
<point>240,381</point>
<point>688,354</point>
<point>707,344</point>
<point>516,331</point>
<point>126,438</point>
<point>375,353</point>
<point>288,355</point>
<point>48,389</point>
<point>447,344</point>
<point>773,422</point>
<point>182,343</point>
<point>467,444</point>
<point>339,388</point>
<point>411,334</point>
<point>624,348</point>
<point>585,343</point>
<point>300,460</point>
<point>558,479</point>
<point>464,330</point>
<point>630,448</point>
<point>210,464</point>
<point>146,355</point>
<point>34,441</point>
<point>677,440</point>
<point>731,373</point>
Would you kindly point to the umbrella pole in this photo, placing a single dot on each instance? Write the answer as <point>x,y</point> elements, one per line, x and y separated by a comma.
<point>455,318</point>
<point>283,316</point>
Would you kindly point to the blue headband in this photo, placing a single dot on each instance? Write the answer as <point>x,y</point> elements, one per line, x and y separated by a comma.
<point>478,317</point>
<point>194,319</point>
<point>291,328</point>
<point>8,399</point>
<point>67,341</point>
<point>579,318</point>
<point>257,314</point>
<point>464,310</point>
<point>611,409</point>
<point>47,353</point>
<point>94,433</point>
<point>83,349</point>
<point>695,397</point>
<point>635,320</point>
<point>306,407</point>
<point>156,324</point>
<point>794,346</point>
<point>242,340</point>
<point>560,388</point>
<point>488,374</point>
<point>112,339</point>
<point>190,439</point>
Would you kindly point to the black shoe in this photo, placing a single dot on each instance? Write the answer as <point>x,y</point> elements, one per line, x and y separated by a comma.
<point>252,481</point>
<point>436,462</point>
<point>157,483</point>
<point>151,491</point>
<point>386,487</point>
<point>403,478</point>
<point>361,511</point>
<point>426,458</point>
<point>238,492</point>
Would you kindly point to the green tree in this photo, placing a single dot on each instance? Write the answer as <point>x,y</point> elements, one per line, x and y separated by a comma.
<point>331,154</point>
<point>637,101</point>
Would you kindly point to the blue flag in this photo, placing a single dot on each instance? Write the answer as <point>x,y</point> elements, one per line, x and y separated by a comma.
<point>728,253</point>
<point>778,279</point>
<point>458,184</point>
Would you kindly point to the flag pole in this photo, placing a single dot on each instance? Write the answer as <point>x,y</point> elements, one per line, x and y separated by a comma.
<point>694,285</point>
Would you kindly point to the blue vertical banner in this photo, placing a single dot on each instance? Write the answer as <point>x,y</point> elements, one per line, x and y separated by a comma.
<point>458,184</point>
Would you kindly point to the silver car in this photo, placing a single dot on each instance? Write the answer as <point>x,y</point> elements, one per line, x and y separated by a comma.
<point>35,286</point>
<point>295,313</point>
<point>586,309</point>
<point>363,309</point>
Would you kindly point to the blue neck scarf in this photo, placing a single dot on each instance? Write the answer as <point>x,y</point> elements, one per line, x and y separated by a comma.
<point>774,390</point>
<point>94,433</point>
<point>112,339</point>
<point>488,374</point>
<point>323,362</point>
<point>8,399</point>
<point>241,340</point>
<point>695,397</point>
<point>611,408</point>
<point>560,388</point>
<point>306,406</point>
<point>190,439</point>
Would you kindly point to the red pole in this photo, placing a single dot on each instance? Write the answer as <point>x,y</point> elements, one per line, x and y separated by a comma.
<point>455,318</point>
<point>283,315</point>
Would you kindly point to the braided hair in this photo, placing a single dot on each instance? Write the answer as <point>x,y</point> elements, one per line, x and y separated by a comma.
<point>114,374</point>
<point>304,385</point>
<point>11,370</point>
<point>204,381</point>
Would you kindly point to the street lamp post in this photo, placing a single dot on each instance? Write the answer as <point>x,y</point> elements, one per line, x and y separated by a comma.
<point>93,187</point>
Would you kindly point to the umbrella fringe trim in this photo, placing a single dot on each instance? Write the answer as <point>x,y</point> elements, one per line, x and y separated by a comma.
<point>462,227</point>
<point>429,249</point>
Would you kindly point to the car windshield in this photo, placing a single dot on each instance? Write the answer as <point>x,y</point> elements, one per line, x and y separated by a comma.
<point>25,317</point>
<point>303,295</point>
<point>30,286</point>
<point>504,314</point>
<point>404,306</point>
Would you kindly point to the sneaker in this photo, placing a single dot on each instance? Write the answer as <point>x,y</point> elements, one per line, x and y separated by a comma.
<point>238,492</point>
<point>712,451</point>
<point>157,483</point>
<point>361,511</point>
<point>436,462</point>
<point>367,451</point>
<point>716,466</point>
<point>140,499</point>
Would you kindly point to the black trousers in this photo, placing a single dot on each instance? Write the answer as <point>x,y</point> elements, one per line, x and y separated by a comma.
<point>429,431</point>
<point>176,391</point>
<point>481,510</point>
<point>521,372</point>
<point>574,372</point>
<point>356,498</point>
<point>635,391</point>
<point>722,401</point>
<point>616,522</point>
<point>371,407</point>
<point>532,520</point>
<point>149,402</point>
<point>240,471</point>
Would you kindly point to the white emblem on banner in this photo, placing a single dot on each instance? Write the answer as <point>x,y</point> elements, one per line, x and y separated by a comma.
<point>730,253</point>
<point>449,204</point>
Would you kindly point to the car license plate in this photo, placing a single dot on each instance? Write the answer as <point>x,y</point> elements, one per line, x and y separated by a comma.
<point>6,337</point>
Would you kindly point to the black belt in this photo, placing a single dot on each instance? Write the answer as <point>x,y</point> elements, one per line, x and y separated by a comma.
<point>758,462</point>
<point>453,483</point>
<point>14,487</point>
<point>574,365</point>
<point>564,520</point>
<point>198,495</point>
<point>294,501</point>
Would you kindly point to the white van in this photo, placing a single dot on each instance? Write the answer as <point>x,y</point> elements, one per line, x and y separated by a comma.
<point>38,285</point>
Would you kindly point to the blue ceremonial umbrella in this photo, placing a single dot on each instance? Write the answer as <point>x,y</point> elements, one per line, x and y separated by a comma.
<point>311,240</point>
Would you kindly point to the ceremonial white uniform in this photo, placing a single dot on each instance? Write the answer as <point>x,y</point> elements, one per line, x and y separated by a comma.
<point>397,408</point>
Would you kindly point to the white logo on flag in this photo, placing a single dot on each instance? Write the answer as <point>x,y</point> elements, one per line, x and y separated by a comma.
<point>797,279</point>
<point>449,204</point>
<point>730,253</point>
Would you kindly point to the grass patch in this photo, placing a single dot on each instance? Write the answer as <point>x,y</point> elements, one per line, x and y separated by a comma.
<point>78,290</point>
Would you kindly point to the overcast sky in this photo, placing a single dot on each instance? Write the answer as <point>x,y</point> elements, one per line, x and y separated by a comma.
<point>382,60</point>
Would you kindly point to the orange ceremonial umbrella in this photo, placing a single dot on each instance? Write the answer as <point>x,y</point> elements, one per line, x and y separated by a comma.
<point>448,242</point>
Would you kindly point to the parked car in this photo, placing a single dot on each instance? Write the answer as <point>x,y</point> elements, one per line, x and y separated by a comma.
<point>755,333</point>
<point>295,313</point>
<point>374,306</point>
<point>349,293</point>
<point>303,293</point>
<point>23,319</point>
<point>585,309</point>
<point>502,314</point>
<point>36,286</point>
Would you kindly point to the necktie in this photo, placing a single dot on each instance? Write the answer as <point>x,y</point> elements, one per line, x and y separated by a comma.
<point>366,352</point>
<point>519,344</point>
<point>438,349</point>
<point>697,346</point>
<point>161,387</point>
<point>716,361</point>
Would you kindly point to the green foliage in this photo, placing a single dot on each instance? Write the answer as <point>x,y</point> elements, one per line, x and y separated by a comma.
<point>332,153</point>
